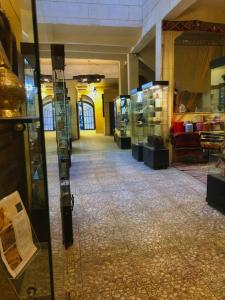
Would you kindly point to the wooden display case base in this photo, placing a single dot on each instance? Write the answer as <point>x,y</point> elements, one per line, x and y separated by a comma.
<point>216,192</point>
<point>137,151</point>
<point>156,159</point>
<point>124,142</point>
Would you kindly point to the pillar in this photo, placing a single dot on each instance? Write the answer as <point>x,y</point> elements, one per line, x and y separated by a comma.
<point>168,45</point>
<point>158,52</point>
<point>123,78</point>
<point>165,46</point>
<point>132,71</point>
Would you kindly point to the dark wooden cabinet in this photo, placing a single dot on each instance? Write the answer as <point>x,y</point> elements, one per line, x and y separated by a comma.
<point>13,174</point>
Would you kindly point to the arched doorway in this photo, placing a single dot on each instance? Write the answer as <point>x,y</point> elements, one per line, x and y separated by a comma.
<point>86,113</point>
<point>49,114</point>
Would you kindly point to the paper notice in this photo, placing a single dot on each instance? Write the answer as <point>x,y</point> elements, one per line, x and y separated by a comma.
<point>16,241</point>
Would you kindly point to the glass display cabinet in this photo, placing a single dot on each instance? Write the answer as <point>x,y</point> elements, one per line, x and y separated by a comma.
<point>138,126</point>
<point>218,85</point>
<point>216,180</point>
<point>122,121</point>
<point>22,159</point>
<point>63,140</point>
<point>215,138</point>
<point>155,116</point>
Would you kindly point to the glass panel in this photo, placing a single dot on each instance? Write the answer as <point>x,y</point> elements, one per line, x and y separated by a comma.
<point>155,112</point>
<point>63,140</point>
<point>30,283</point>
<point>122,116</point>
<point>138,126</point>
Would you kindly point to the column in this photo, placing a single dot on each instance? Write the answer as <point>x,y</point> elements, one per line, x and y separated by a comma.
<point>123,77</point>
<point>168,54</point>
<point>132,71</point>
<point>158,52</point>
<point>165,42</point>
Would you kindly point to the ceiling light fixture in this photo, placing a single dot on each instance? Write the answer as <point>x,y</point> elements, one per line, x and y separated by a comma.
<point>89,78</point>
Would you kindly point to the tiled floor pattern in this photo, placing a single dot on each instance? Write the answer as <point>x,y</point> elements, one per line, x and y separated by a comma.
<point>138,233</point>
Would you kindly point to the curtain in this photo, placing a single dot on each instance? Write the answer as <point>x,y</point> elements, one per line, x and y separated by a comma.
<point>192,67</point>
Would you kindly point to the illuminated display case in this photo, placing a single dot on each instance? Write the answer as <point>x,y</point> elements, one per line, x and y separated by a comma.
<point>122,121</point>
<point>138,125</point>
<point>155,116</point>
<point>61,102</point>
<point>22,154</point>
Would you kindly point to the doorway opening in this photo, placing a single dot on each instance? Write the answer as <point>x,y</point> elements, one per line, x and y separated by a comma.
<point>86,111</point>
<point>49,115</point>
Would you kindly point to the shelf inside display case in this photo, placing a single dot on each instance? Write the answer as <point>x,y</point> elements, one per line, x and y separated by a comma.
<point>24,119</point>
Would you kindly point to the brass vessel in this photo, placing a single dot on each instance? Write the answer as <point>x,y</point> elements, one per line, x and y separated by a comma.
<point>12,92</point>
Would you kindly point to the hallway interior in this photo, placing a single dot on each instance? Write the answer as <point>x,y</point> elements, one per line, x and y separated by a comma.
<point>138,233</point>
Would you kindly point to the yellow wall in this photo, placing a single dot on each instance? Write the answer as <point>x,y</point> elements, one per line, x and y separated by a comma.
<point>46,90</point>
<point>99,119</point>
<point>12,10</point>
<point>97,98</point>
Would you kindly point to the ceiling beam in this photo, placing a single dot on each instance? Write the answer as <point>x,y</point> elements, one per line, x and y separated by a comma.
<point>144,41</point>
<point>87,55</point>
<point>90,48</point>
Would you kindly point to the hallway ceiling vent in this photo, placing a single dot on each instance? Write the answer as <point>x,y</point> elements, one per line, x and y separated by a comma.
<point>89,78</point>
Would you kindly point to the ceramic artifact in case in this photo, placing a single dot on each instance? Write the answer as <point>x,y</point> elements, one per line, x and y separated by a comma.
<point>138,125</point>
<point>122,121</point>
<point>155,115</point>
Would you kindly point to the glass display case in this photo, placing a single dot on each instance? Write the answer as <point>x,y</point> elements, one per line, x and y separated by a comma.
<point>122,121</point>
<point>216,180</point>
<point>33,128</point>
<point>155,118</point>
<point>63,140</point>
<point>213,140</point>
<point>22,156</point>
<point>138,126</point>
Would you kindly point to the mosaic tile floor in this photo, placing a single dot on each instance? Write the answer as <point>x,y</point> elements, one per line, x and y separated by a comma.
<point>138,233</point>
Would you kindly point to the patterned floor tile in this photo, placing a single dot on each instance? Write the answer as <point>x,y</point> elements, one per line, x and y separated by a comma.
<point>138,233</point>
<point>180,290</point>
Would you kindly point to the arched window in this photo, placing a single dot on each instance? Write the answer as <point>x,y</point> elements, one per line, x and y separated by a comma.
<point>86,113</point>
<point>49,116</point>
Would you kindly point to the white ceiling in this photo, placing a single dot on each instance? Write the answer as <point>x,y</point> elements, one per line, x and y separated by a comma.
<point>91,42</point>
<point>115,13</point>
<point>84,66</point>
